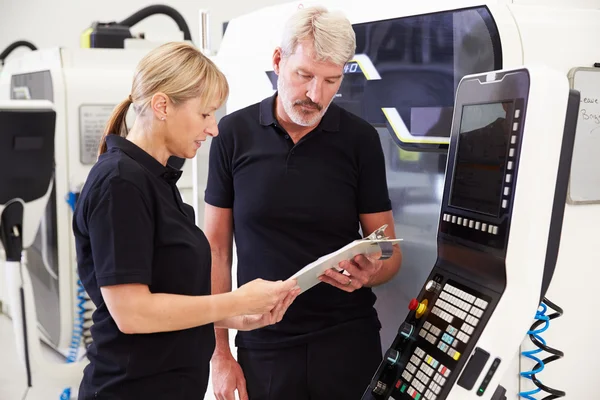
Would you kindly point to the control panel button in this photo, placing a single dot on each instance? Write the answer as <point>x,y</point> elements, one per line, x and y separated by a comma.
<point>433,286</point>
<point>392,356</point>
<point>406,329</point>
<point>380,388</point>
<point>421,309</point>
<point>414,303</point>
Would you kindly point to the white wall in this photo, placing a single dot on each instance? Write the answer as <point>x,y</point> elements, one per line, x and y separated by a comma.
<point>60,23</point>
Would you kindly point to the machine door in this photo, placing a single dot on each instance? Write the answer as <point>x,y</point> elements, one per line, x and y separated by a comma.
<point>42,256</point>
<point>403,81</point>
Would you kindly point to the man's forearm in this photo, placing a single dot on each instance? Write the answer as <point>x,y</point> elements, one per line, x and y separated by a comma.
<point>390,268</point>
<point>221,283</point>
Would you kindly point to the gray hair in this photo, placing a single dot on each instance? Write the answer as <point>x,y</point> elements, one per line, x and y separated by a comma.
<point>331,34</point>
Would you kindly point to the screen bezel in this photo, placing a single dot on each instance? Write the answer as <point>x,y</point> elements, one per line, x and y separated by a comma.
<point>492,86</point>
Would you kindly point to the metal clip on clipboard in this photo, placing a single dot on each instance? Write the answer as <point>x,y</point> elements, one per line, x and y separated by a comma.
<point>387,249</point>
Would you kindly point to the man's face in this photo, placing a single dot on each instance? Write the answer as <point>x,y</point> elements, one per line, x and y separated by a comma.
<point>306,87</point>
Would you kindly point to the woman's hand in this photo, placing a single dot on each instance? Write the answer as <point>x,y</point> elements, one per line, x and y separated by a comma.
<point>251,322</point>
<point>262,297</point>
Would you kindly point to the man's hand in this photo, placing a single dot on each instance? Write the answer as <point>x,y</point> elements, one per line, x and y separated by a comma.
<point>251,322</point>
<point>227,376</point>
<point>360,270</point>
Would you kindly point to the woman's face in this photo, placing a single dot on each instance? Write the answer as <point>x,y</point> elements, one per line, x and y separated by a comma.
<point>188,125</point>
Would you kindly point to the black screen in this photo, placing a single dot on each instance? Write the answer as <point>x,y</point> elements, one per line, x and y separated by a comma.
<point>481,157</point>
<point>26,153</point>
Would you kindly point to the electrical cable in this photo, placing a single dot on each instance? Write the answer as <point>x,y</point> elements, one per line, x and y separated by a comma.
<point>534,334</point>
<point>159,9</point>
<point>13,46</point>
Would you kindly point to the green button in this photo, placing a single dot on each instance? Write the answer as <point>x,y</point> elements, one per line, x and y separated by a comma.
<point>418,396</point>
<point>403,388</point>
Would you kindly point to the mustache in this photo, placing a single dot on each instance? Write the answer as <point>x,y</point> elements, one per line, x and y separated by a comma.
<point>308,103</point>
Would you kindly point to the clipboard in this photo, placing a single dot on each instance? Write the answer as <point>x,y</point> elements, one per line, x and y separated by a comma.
<point>376,242</point>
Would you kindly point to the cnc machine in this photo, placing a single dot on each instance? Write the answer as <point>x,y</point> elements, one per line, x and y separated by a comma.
<point>410,58</point>
<point>84,85</point>
<point>504,196</point>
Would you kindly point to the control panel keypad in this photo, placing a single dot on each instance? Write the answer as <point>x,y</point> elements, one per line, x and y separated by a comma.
<point>424,376</point>
<point>450,325</point>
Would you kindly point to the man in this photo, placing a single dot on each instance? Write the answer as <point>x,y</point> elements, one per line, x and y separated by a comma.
<point>293,178</point>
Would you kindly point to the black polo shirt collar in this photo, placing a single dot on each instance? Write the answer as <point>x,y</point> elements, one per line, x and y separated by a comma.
<point>168,173</point>
<point>330,121</point>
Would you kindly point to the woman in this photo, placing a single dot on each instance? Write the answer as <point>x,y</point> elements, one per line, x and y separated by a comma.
<point>142,259</point>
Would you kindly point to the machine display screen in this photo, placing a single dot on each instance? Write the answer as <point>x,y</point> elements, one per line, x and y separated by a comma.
<point>481,157</point>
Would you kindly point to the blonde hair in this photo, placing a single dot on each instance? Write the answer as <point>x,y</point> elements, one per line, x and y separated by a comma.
<point>332,35</point>
<point>177,69</point>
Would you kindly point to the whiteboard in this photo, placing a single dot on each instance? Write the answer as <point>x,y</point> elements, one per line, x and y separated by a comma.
<point>584,182</point>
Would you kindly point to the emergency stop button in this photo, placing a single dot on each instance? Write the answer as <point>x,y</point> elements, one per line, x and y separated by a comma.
<point>420,308</point>
<point>412,306</point>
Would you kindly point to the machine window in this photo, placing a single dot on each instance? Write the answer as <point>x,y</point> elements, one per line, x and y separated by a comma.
<point>403,81</point>
<point>406,71</point>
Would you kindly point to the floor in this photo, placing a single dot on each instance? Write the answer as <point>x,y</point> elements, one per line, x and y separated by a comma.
<point>13,382</point>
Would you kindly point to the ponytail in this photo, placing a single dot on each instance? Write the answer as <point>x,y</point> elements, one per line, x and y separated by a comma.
<point>116,124</point>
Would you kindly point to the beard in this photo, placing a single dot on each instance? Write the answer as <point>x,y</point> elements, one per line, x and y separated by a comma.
<point>295,110</point>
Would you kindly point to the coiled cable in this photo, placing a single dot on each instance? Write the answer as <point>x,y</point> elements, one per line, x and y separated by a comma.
<point>83,320</point>
<point>534,334</point>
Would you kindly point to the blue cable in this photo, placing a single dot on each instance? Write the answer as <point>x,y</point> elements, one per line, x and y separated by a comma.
<point>78,327</point>
<point>540,315</point>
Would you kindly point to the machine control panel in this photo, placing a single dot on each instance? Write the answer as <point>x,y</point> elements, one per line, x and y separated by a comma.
<point>427,358</point>
<point>443,339</point>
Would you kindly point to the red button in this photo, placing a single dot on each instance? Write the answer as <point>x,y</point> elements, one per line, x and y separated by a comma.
<point>412,306</point>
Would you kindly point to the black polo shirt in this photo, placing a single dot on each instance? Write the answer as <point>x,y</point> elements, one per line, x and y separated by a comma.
<point>293,203</point>
<point>131,226</point>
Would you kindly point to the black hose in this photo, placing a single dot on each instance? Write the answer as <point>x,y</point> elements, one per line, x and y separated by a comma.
<point>19,43</point>
<point>556,354</point>
<point>159,9</point>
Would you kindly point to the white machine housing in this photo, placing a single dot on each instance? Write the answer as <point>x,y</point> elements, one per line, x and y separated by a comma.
<point>44,377</point>
<point>560,36</point>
